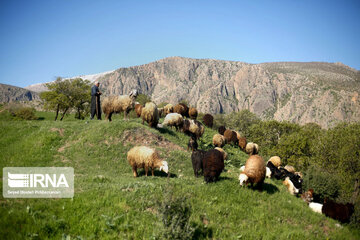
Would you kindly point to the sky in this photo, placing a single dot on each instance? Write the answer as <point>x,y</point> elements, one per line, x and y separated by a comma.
<point>42,40</point>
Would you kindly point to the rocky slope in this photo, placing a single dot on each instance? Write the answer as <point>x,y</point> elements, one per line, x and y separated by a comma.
<point>324,93</point>
<point>10,93</point>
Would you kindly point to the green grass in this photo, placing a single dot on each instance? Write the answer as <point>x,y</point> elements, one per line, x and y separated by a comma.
<point>109,203</point>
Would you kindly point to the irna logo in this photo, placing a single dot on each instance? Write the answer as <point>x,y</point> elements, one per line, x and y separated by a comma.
<point>36,180</point>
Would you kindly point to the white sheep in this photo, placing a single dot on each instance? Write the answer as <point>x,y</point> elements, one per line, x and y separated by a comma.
<point>316,207</point>
<point>117,104</point>
<point>150,114</point>
<point>145,157</point>
<point>173,119</point>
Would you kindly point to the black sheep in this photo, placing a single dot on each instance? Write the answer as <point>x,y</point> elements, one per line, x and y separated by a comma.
<point>197,161</point>
<point>337,211</point>
<point>192,143</point>
<point>208,120</point>
<point>282,173</point>
<point>221,130</point>
<point>213,165</point>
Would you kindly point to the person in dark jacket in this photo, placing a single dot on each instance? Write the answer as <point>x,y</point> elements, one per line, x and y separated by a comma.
<point>95,101</point>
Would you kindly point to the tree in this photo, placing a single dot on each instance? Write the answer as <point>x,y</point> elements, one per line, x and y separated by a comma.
<point>65,94</point>
<point>241,121</point>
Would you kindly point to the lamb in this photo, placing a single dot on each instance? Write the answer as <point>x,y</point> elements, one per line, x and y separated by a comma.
<point>254,172</point>
<point>145,157</point>
<point>117,104</point>
<point>208,120</point>
<point>174,119</point>
<point>182,109</point>
<point>221,130</point>
<point>192,144</point>
<point>290,186</point>
<point>252,148</point>
<point>290,168</point>
<point>230,136</point>
<point>150,114</point>
<point>307,196</point>
<point>138,108</point>
<point>316,207</point>
<point>193,113</point>
<point>242,143</point>
<point>169,108</point>
<point>337,211</point>
<point>197,157</point>
<point>213,165</point>
<point>219,140</point>
<point>275,160</point>
<point>222,152</point>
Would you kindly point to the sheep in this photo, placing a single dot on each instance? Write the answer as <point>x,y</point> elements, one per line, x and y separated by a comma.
<point>221,130</point>
<point>169,108</point>
<point>290,168</point>
<point>254,172</point>
<point>268,172</point>
<point>219,140</point>
<point>150,114</point>
<point>242,143</point>
<point>275,160</point>
<point>230,136</point>
<point>138,108</point>
<point>182,109</point>
<point>222,152</point>
<point>290,186</point>
<point>208,120</point>
<point>145,157</point>
<point>197,161</point>
<point>299,174</point>
<point>337,211</point>
<point>174,119</point>
<point>213,165</point>
<point>252,148</point>
<point>117,104</point>
<point>242,168</point>
<point>192,144</point>
<point>316,207</point>
<point>161,112</point>
<point>193,128</point>
<point>193,113</point>
<point>307,196</point>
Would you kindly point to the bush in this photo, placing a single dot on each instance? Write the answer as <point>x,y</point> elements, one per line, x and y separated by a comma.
<point>175,212</point>
<point>21,112</point>
<point>142,99</point>
<point>324,184</point>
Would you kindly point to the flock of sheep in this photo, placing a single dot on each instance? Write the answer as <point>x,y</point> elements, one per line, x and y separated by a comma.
<point>211,163</point>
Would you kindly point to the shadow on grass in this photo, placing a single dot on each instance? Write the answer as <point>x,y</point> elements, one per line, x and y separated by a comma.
<point>40,119</point>
<point>157,174</point>
<point>270,188</point>
<point>202,231</point>
<point>165,130</point>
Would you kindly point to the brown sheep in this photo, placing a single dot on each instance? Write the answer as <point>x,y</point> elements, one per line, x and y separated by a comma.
<point>213,165</point>
<point>169,108</point>
<point>117,104</point>
<point>150,114</point>
<point>230,136</point>
<point>242,143</point>
<point>145,157</point>
<point>182,109</point>
<point>193,113</point>
<point>221,130</point>
<point>254,172</point>
<point>219,140</point>
<point>208,120</point>
<point>138,108</point>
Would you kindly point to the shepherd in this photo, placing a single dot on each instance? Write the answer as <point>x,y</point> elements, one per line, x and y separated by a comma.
<point>95,101</point>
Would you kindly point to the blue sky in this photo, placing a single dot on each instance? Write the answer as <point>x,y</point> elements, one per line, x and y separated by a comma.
<point>40,40</point>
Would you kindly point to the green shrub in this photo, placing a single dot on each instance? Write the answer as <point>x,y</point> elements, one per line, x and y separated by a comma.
<point>175,212</point>
<point>21,112</point>
<point>324,184</point>
<point>142,99</point>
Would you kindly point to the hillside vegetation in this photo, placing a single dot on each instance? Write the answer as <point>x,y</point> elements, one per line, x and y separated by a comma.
<point>109,203</point>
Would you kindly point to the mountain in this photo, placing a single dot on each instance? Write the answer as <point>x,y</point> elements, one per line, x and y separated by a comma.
<point>10,93</point>
<point>299,92</point>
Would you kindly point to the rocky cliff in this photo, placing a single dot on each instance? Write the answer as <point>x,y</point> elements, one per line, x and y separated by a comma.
<point>319,92</point>
<point>10,93</point>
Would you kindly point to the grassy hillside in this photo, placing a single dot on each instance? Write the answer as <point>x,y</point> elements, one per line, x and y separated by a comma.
<point>109,203</point>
